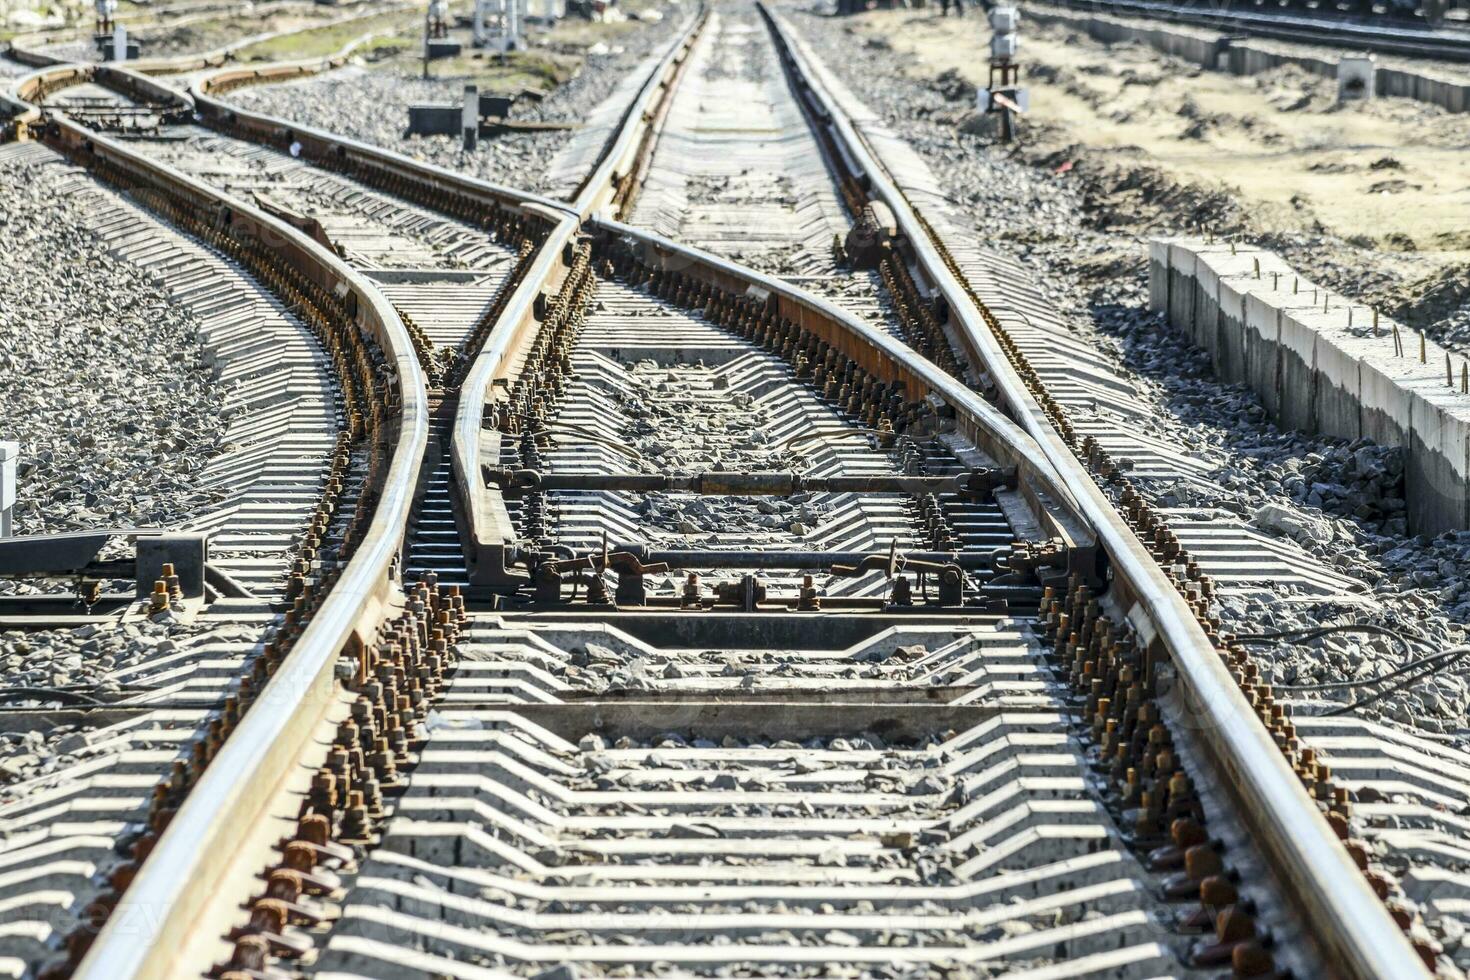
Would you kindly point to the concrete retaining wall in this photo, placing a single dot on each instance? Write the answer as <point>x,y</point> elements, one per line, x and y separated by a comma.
<point>1318,365</point>
<point>1197,45</point>
<point>1248,56</point>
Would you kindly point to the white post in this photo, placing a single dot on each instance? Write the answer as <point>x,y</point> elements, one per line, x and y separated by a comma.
<point>9,453</point>
<point>471,118</point>
<point>480,22</point>
<point>1357,77</point>
<point>512,25</point>
<point>119,43</point>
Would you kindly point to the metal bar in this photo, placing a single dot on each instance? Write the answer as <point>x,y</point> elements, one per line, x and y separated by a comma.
<point>794,558</point>
<point>9,454</point>
<point>743,484</point>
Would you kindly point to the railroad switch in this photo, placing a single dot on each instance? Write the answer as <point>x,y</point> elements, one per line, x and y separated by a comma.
<point>1043,562</point>
<point>632,562</point>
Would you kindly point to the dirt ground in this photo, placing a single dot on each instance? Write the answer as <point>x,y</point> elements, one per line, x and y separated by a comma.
<point>203,35</point>
<point>1392,175</point>
<point>553,55</point>
<point>399,28</point>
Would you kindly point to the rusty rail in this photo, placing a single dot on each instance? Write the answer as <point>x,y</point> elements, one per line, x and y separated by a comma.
<point>222,820</point>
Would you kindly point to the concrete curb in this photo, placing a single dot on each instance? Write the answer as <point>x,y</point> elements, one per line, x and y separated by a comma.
<point>1319,364</point>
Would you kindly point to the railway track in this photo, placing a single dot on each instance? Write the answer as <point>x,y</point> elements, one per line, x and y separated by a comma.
<point>772,646</point>
<point>1407,35</point>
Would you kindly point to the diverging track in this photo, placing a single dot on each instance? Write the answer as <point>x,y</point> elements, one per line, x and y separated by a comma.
<point>782,647</point>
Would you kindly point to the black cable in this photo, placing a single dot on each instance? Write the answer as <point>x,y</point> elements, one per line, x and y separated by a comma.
<point>1399,671</point>
<point>1313,632</point>
<point>1452,654</point>
<point>1417,669</point>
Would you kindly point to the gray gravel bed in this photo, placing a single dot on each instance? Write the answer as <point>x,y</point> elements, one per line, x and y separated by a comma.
<point>107,390</point>
<point>598,667</point>
<point>1342,502</point>
<point>102,662</point>
<point>115,412</point>
<point>77,666</point>
<point>684,422</point>
<point>369,102</point>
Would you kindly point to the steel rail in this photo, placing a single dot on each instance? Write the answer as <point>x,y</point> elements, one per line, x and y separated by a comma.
<point>636,127</point>
<point>507,339</point>
<point>232,796</point>
<point>547,264</point>
<point>34,87</point>
<point>151,929</point>
<point>279,71</point>
<point>320,145</point>
<point>495,360</point>
<point>315,145</point>
<point>1350,925</point>
<point>984,425</point>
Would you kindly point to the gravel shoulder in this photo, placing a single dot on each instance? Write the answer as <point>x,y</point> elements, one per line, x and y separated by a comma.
<point>163,39</point>
<point>106,386</point>
<point>1082,235</point>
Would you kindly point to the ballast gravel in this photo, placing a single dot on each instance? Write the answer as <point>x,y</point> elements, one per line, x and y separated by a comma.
<point>97,663</point>
<point>598,667</point>
<point>106,388</point>
<point>686,421</point>
<point>1084,240</point>
<point>370,103</point>
<point>116,416</point>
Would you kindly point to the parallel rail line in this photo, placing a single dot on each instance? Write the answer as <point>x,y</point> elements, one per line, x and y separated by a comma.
<point>1122,612</point>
